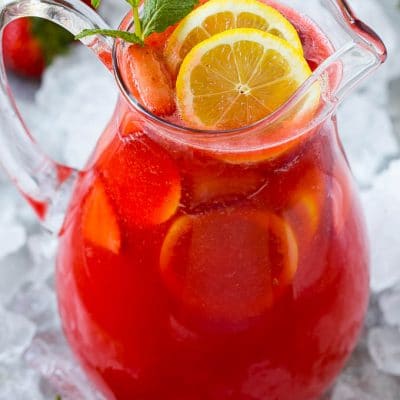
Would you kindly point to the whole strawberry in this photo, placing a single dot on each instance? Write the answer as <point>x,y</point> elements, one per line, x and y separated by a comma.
<point>30,44</point>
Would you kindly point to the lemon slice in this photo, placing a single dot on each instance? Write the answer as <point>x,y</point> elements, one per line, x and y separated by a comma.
<point>220,15</point>
<point>230,265</point>
<point>238,77</point>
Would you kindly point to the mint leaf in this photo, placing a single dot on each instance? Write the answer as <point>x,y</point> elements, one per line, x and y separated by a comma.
<point>96,3</point>
<point>127,36</point>
<point>158,15</point>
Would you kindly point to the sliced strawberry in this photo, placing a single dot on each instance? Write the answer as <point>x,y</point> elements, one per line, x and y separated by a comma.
<point>100,225</point>
<point>148,80</point>
<point>142,180</point>
<point>129,125</point>
<point>158,40</point>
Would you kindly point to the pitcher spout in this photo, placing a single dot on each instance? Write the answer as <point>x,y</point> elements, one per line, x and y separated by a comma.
<point>360,53</point>
<point>359,28</point>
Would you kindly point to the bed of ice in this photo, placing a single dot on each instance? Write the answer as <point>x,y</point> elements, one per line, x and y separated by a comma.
<point>35,363</point>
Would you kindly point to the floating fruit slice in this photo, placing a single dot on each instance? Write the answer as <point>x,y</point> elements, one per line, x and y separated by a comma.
<point>148,79</point>
<point>157,40</point>
<point>142,181</point>
<point>217,16</point>
<point>305,208</point>
<point>100,225</point>
<point>129,126</point>
<point>342,193</point>
<point>208,185</point>
<point>258,74</point>
<point>228,266</point>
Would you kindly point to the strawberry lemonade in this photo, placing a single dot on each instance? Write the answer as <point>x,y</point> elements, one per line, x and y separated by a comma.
<point>187,273</point>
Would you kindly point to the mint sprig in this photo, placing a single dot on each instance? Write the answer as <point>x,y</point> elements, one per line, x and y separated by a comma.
<point>158,15</point>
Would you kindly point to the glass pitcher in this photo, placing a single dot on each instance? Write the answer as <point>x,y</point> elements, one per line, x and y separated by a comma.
<point>198,265</point>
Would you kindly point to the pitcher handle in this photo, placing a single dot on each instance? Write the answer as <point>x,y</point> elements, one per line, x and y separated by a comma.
<point>46,184</point>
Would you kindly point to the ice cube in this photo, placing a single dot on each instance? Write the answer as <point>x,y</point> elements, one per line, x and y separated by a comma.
<point>382,206</point>
<point>361,380</point>
<point>15,270</point>
<point>42,250</point>
<point>12,238</point>
<point>8,206</point>
<point>42,247</point>
<point>359,122</point>
<point>390,305</point>
<point>384,347</point>
<point>16,333</point>
<point>38,303</point>
<point>394,104</point>
<point>348,391</point>
<point>374,315</point>
<point>50,356</point>
<point>17,382</point>
<point>351,391</point>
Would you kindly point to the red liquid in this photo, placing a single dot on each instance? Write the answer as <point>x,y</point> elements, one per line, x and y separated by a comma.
<point>185,276</point>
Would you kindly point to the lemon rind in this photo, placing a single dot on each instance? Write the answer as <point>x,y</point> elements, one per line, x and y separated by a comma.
<point>300,69</point>
<point>199,15</point>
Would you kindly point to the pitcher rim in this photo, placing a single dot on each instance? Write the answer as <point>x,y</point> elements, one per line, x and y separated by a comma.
<point>264,122</point>
<point>328,102</point>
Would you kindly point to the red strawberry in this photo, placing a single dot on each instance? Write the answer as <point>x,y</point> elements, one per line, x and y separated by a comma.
<point>100,225</point>
<point>147,78</point>
<point>29,44</point>
<point>23,52</point>
<point>157,40</point>
<point>142,181</point>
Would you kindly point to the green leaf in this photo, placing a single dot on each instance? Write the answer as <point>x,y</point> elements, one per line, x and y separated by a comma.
<point>158,15</point>
<point>96,3</point>
<point>127,36</point>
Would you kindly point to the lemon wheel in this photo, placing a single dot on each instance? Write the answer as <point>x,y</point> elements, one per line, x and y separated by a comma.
<point>238,77</point>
